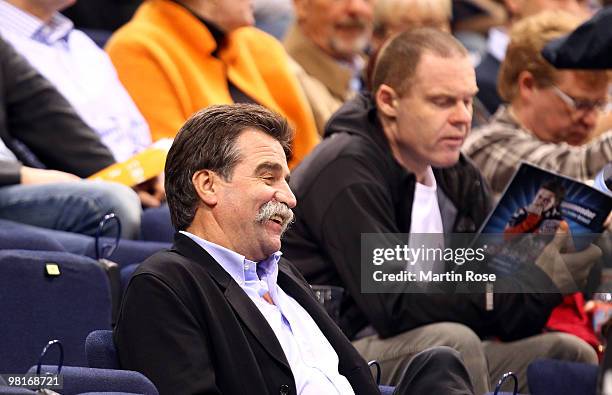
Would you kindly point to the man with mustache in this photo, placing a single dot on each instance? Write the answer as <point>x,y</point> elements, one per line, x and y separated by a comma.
<point>327,42</point>
<point>391,164</point>
<point>222,312</point>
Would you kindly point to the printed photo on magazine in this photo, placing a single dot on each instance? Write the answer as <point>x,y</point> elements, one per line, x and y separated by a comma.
<point>534,205</point>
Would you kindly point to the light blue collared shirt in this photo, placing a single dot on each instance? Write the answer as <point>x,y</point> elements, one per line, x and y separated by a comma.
<point>83,74</point>
<point>497,43</point>
<point>312,359</point>
<point>356,66</point>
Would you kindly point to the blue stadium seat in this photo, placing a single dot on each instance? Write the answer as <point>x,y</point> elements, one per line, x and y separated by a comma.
<point>79,380</point>
<point>25,237</point>
<point>155,225</point>
<point>14,235</point>
<point>38,306</point>
<point>553,377</point>
<point>100,350</point>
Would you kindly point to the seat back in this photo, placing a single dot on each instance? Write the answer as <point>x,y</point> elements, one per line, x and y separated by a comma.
<point>79,380</point>
<point>129,252</point>
<point>14,236</point>
<point>101,351</point>
<point>37,306</point>
<point>552,377</point>
<point>156,225</point>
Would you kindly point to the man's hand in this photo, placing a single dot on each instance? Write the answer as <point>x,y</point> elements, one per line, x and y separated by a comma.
<point>535,208</point>
<point>151,192</point>
<point>608,222</point>
<point>568,271</point>
<point>31,175</point>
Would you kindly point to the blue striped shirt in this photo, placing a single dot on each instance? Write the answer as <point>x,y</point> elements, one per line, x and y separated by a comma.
<point>83,74</point>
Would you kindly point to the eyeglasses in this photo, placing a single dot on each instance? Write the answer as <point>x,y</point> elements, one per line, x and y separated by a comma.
<point>582,105</point>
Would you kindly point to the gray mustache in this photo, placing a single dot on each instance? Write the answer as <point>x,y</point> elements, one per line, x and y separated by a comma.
<point>352,23</point>
<point>273,208</point>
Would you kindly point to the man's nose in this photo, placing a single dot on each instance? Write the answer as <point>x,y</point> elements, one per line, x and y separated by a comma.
<point>359,7</point>
<point>590,117</point>
<point>285,195</point>
<point>462,113</point>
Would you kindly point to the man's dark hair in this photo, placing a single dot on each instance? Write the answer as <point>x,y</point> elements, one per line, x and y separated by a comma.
<point>399,57</point>
<point>555,187</point>
<point>208,141</point>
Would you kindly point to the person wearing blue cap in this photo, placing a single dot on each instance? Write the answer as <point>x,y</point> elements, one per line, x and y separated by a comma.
<point>587,47</point>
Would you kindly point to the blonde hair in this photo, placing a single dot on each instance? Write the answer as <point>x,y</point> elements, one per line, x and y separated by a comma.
<point>387,12</point>
<point>527,39</point>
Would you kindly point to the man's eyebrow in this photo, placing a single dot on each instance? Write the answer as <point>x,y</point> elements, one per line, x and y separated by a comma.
<point>452,94</point>
<point>270,166</point>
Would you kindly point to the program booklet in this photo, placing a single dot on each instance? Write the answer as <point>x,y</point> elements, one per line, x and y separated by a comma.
<point>141,167</point>
<point>531,209</point>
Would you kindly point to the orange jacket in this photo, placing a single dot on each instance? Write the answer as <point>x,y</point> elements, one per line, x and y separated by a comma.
<point>163,58</point>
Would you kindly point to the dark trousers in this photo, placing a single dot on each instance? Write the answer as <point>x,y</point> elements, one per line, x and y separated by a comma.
<point>437,370</point>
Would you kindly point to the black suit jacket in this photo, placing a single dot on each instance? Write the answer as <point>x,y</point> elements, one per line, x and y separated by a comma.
<point>35,113</point>
<point>190,328</point>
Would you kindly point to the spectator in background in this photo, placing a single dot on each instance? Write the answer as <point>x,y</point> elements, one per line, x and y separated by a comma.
<point>34,115</point>
<point>488,69</point>
<point>273,16</point>
<point>327,42</point>
<point>589,47</point>
<point>472,19</point>
<point>396,16</point>
<point>83,74</point>
<point>390,163</point>
<point>550,114</point>
<point>78,68</point>
<point>176,57</point>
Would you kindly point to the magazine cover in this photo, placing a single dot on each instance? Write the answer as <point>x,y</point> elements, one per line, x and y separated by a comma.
<point>533,206</point>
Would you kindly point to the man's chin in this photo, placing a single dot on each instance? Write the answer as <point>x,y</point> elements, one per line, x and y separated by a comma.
<point>578,139</point>
<point>446,161</point>
<point>272,246</point>
<point>348,47</point>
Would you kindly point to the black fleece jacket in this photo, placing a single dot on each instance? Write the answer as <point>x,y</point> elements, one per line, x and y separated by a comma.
<point>351,184</point>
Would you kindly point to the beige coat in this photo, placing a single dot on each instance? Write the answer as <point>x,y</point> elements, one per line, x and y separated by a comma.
<point>324,80</point>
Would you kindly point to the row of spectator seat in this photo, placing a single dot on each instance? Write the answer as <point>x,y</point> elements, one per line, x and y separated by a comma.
<point>58,290</point>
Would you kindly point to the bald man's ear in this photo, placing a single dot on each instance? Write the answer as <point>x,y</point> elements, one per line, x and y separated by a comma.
<point>205,183</point>
<point>387,101</point>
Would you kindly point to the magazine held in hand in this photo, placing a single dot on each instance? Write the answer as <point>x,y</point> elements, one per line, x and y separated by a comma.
<point>535,204</point>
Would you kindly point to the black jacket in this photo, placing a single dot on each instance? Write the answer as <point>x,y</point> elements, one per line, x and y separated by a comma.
<point>486,79</point>
<point>190,328</point>
<point>33,112</point>
<point>350,185</point>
